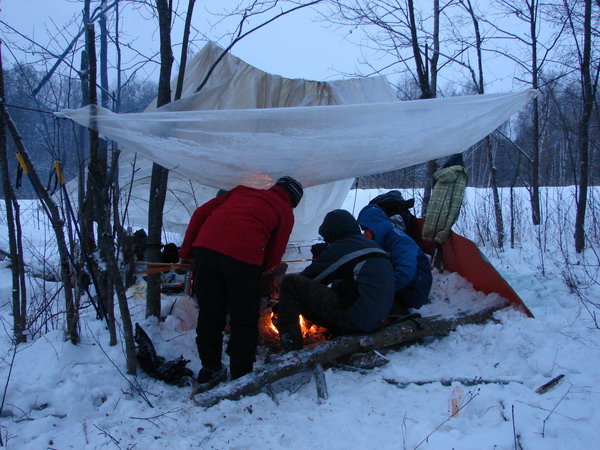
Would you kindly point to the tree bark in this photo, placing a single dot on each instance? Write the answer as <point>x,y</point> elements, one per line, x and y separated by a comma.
<point>487,143</point>
<point>184,49</point>
<point>102,185</point>
<point>535,168</point>
<point>495,193</point>
<point>72,317</point>
<point>97,176</point>
<point>21,263</point>
<point>128,337</point>
<point>294,362</point>
<point>535,164</point>
<point>160,175</point>
<point>427,78</point>
<point>584,129</point>
<point>105,239</point>
<point>12,218</point>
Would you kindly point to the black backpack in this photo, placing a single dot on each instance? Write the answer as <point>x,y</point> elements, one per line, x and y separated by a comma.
<point>393,204</point>
<point>171,372</point>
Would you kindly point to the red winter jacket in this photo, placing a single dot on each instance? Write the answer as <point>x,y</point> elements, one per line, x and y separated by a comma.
<point>247,224</point>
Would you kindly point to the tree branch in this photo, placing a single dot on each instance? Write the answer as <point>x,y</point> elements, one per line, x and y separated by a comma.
<point>240,37</point>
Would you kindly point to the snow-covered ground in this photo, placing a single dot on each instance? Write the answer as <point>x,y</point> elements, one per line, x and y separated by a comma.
<point>63,396</point>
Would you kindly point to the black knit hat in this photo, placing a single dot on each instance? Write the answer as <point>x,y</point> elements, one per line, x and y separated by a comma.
<point>293,188</point>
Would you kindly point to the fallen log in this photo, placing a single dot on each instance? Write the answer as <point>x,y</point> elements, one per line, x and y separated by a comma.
<point>450,381</point>
<point>291,363</point>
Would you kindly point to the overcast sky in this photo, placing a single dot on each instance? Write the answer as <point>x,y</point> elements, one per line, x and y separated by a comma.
<point>295,46</point>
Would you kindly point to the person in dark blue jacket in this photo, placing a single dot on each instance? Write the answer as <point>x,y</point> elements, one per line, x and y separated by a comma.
<point>412,274</point>
<point>360,275</point>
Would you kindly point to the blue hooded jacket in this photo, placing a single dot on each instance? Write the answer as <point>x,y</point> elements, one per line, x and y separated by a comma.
<point>412,275</point>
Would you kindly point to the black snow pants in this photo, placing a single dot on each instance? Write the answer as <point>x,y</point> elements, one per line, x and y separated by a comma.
<point>224,285</point>
<point>317,303</point>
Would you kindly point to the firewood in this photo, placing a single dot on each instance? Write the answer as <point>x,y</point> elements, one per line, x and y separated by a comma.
<point>297,361</point>
<point>320,382</point>
<point>549,385</point>
<point>369,360</point>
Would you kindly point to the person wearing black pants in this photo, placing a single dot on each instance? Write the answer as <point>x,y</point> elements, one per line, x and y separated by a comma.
<point>232,240</point>
<point>226,285</point>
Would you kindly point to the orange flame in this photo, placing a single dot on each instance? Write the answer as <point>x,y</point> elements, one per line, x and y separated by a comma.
<point>305,326</point>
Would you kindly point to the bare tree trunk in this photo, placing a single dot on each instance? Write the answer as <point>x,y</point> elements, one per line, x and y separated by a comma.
<point>57,225</point>
<point>122,247</point>
<point>487,144</point>
<point>158,192</point>
<point>87,190</point>
<point>113,270</point>
<point>97,177</point>
<point>584,129</point>
<point>427,78</point>
<point>21,266</point>
<point>529,12</point>
<point>512,201</point>
<point>103,57</point>
<point>160,175</point>
<point>495,193</point>
<point>430,167</point>
<point>102,185</point>
<point>117,107</point>
<point>105,240</point>
<point>535,168</point>
<point>12,225</point>
<point>84,215</point>
<point>184,49</point>
<point>535,164</point>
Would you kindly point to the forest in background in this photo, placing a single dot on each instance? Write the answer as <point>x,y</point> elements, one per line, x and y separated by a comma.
<point>49,139</point>
<point>542,140</point>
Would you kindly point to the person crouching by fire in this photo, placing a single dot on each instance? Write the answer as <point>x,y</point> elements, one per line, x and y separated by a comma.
<point>361,278</point>
<point>233,239</point>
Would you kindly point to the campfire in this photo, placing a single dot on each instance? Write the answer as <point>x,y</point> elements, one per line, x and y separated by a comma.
<point>311,333</point>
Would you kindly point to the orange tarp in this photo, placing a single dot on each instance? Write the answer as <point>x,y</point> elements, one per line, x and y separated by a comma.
<point>462,256</point>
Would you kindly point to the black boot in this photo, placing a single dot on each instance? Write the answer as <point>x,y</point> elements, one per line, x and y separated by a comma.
<point>209,378</point>
<point>240,368</point>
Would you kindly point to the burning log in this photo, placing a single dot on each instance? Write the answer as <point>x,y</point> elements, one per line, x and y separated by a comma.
<point>290,363</point>
<point>312,334</point>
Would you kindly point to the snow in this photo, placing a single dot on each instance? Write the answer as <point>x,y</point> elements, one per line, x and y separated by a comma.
<point>65,396</point>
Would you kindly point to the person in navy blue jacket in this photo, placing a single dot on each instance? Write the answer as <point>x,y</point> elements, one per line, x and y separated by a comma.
<point>361,280</point>
<point>412,274</point>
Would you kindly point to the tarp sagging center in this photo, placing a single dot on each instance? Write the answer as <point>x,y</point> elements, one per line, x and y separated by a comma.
<point>316,145</point>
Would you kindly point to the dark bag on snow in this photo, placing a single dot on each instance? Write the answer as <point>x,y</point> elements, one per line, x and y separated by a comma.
<point>394,204</point>
<point>171,372</point>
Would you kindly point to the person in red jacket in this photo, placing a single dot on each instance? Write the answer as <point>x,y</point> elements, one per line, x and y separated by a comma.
<point>233,239</point>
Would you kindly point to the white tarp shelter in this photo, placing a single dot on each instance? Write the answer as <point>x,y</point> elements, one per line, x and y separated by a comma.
<point>249,127</point>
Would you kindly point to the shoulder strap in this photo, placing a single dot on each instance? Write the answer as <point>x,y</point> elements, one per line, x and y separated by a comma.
<point>355,256</point>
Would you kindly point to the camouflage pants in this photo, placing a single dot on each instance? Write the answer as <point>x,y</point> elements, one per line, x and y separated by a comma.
<point>317,303</point>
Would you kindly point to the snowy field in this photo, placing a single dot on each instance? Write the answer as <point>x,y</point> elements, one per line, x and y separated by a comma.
<point>57,395</point>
